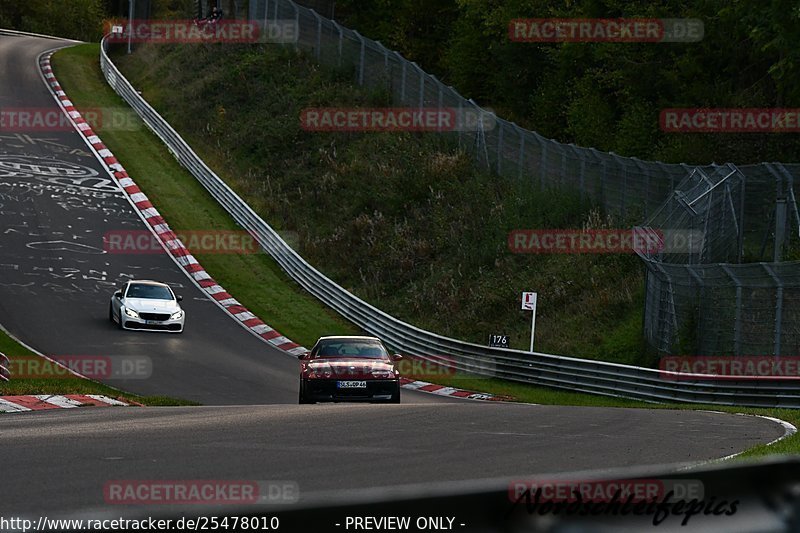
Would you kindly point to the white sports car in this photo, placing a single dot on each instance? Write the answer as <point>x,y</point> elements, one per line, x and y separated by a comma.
<point>143,304</point>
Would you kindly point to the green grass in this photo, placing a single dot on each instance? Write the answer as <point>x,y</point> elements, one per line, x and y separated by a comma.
<point>256,280</point>
<point>405,221</point>
<point>258,283</point>
<point>65,385</point>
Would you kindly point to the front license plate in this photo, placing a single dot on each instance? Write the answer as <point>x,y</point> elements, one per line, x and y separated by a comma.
<point>151,322</point>
<point>351,384</point>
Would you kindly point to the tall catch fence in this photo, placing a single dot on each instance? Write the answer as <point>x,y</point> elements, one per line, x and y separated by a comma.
<point>719,300</point>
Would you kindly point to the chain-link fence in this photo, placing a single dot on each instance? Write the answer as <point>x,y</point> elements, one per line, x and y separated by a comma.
<point>624,186</point>
<point>707,301</point>
<point>745,214</point>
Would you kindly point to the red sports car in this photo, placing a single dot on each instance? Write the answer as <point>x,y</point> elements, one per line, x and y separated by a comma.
<point>344,369</point>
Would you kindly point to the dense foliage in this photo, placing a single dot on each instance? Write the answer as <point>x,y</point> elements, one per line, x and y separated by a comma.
<point>83,20</point>
<point>607,95</point>
<point>74,19</point>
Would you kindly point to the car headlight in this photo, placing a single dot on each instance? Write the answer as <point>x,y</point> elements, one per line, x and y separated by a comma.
<point>177,316</point>
<point>385,374</point>
<point>320,372</point>
<point>131,313</point>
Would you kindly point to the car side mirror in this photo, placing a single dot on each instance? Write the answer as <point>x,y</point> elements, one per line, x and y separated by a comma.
<point>397,357</point>
<point>118,294</point>
<point>180,298</point>
<point>303,356</point>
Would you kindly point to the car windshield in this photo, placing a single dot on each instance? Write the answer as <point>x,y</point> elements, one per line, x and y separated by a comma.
<point>370,350</point>
<point>149,292</point>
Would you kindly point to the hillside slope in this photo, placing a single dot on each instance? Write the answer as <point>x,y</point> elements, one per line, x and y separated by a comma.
<point>401,219</point>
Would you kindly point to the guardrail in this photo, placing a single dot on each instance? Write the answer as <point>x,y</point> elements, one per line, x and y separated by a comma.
<point>5,373</point>
<point>579,375</point>
<point>4,31</point>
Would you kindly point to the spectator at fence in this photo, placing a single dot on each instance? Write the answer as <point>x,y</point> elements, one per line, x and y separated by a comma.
<point>214,16</point>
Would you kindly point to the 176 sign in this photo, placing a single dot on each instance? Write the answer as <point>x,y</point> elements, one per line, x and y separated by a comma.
<point>499,341</point>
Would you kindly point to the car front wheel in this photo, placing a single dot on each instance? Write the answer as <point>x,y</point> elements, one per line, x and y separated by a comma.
<point>396,395</point>
<point>302,397</point>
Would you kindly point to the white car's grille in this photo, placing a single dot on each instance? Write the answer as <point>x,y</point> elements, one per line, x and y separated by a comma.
<point>154,316</point>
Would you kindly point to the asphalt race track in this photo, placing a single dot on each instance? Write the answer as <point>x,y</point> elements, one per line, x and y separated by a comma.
<point>56,203</point>
<point>327,448</point>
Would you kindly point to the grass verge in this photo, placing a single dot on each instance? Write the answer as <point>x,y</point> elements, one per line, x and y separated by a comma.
<point>65,385</point>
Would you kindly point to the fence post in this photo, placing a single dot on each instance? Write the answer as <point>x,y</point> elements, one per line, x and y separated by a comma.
<point>499,148</point>
<point>421,85</point>
<point>461,124</point>
<point>521,159</point>
<point>624,187</point>
<point>319,32</point>
<point>582,157</point>
<point>543,163</point>
<point>663,324</point>
<point>296,25</point>
<point>439,105</point>
<point>402,78</point>
<point>480,136</point>
<point>790,192</point>
<point>741,216</point>
<point>341,39</point>
<point>737,327</point>
<point>361,58</point>
<point>778,308</point>
<point>385,60</point>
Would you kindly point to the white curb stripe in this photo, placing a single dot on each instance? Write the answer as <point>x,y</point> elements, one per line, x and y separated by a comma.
<point>60,401</point>
<point>8,407</point>
<point>106,399</point>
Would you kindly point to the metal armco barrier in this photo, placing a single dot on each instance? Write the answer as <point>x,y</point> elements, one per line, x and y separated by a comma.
<point>5,374</point>
<point>579,375</point>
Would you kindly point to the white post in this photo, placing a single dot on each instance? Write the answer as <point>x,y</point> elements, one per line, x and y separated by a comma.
<point>533,321</point>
